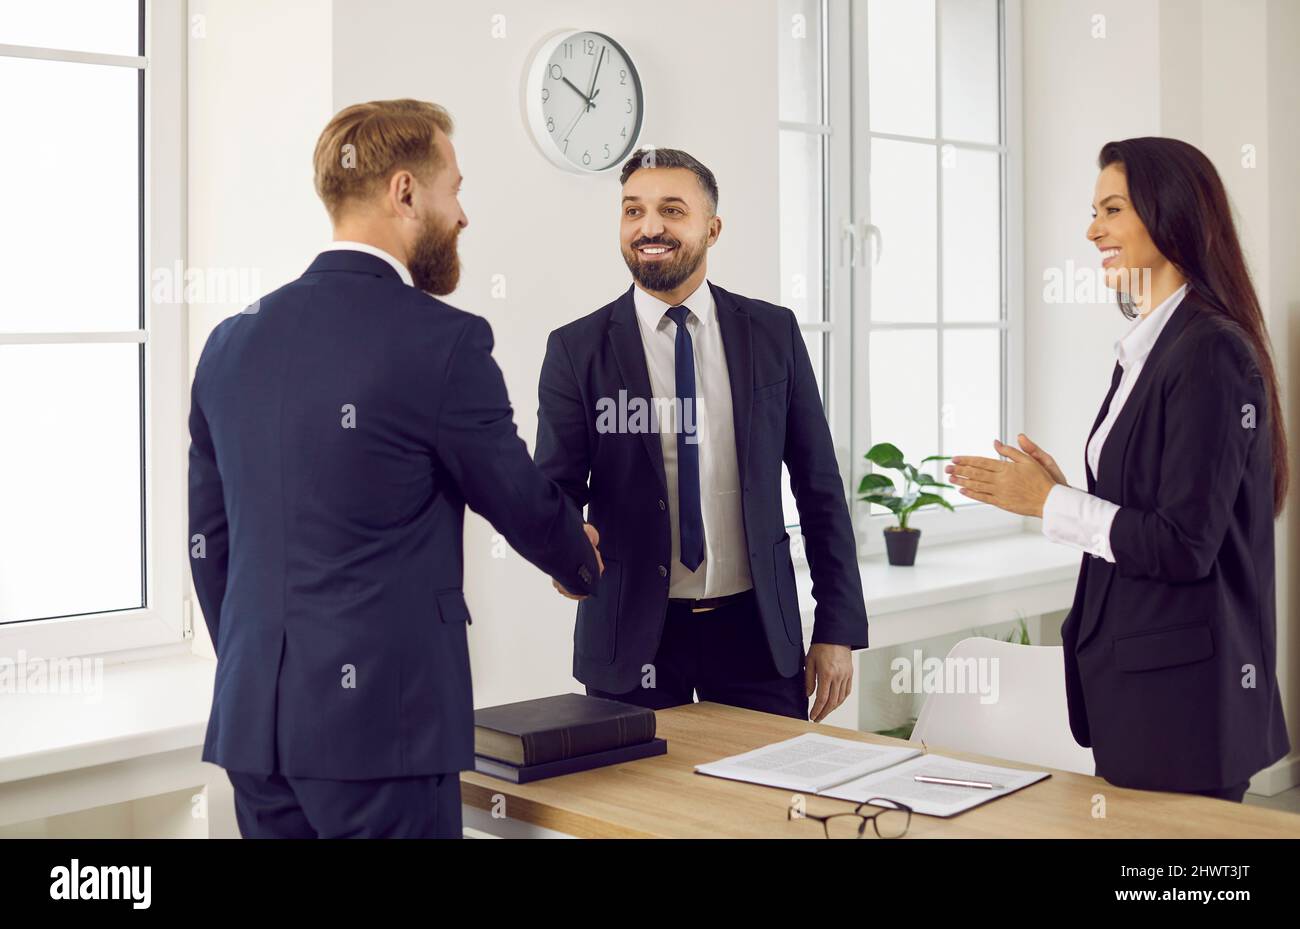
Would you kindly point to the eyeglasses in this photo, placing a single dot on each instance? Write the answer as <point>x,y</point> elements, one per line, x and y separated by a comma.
<point>890,821</point>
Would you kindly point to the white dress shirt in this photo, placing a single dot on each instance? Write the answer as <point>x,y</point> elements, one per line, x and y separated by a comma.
<point>1072,516</point>
<point>372,250</point>
<point>725,568</point>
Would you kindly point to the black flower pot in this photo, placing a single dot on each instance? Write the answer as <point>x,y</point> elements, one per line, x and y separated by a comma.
<point>900,545</point>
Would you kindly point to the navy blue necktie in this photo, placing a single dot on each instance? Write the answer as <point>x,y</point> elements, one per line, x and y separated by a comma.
<point>690,522</point>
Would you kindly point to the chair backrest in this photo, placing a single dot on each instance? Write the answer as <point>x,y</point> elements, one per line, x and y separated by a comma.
<point>1021,714</point>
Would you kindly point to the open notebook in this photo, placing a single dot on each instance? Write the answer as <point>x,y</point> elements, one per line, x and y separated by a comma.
<point>848,770</point>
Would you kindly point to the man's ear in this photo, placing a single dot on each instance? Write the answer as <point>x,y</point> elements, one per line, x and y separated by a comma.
<point>715,229</point>
<point>401,193</point>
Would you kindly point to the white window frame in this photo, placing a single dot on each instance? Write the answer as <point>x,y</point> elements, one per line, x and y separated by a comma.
<point>851,211</point>
<point>163,625</point>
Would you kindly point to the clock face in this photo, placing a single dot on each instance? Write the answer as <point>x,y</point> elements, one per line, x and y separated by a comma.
<point>584,101</point>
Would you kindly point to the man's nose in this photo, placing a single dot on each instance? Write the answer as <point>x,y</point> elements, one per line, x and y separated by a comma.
<point>651,227</point>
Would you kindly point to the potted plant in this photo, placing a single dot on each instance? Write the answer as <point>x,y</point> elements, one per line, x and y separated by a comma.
<point>900,541</point>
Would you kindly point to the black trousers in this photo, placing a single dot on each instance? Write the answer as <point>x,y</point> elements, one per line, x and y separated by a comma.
<point>721,655</point>
<point>278,807</point>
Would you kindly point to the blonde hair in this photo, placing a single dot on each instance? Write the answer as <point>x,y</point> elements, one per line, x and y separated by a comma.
<point>365,143</point>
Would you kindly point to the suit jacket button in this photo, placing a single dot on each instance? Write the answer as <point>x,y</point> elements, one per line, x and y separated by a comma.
<point>663,572</point>
<point>584,574</point>
<point>662,505</point>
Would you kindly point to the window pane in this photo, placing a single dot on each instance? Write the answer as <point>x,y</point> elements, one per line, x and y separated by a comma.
<point>903,281</point>
<point>972,235</point>
<point>900,66</point>
<point>70,189</point>
<point>70,480</point>
<point>802,224</point>
<point>972,391</point>
<point>799,60</point>
<point>969,70</point>
<point>903,367</point>
<point>110,27</point>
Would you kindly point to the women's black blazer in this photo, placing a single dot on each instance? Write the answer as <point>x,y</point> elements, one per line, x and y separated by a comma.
<point>1170,651</point>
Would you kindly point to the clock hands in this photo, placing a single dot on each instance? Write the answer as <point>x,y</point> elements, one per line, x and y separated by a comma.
<point>595,73</point>
<point>576,90</point>
<point>589,98</point>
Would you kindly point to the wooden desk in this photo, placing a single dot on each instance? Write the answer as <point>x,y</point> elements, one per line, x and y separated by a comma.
<point>664,798</point>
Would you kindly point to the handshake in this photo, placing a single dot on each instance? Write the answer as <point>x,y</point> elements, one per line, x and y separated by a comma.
<point>594,537</point>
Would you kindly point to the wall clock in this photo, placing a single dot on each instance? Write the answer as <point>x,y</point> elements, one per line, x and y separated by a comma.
<point>584,101</point>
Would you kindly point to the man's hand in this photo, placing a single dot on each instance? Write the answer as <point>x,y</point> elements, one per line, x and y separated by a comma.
<point>594,537</point>
<point>829,671</point>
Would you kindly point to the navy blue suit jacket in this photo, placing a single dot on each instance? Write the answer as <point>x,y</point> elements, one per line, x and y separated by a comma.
<point>339,428</point>
<point>619,477</point>
<point>1170,651</point>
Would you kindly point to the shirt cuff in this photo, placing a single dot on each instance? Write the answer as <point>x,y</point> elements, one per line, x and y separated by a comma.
<point>1073,517</point>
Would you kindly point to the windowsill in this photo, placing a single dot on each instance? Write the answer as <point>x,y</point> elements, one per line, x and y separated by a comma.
<point>143,708</point>
<point>959,585</point>
<point>162,704</point>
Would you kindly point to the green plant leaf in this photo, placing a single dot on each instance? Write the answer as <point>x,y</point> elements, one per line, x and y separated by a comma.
<point>936,458</point>
<point>885,455</point>
<point>927,499</point>
<point>875,482</point>
<point>889,501</point>
<point>929,480</point>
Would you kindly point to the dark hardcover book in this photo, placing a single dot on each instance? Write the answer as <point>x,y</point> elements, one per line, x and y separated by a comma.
<point>523,774</point>
<point>553,728</point>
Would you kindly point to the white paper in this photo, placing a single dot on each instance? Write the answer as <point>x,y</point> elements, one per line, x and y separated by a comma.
<point>808,763</point>
<point>899,783</point>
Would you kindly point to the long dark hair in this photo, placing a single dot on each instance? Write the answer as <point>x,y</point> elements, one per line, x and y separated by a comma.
<point>1180,199</point>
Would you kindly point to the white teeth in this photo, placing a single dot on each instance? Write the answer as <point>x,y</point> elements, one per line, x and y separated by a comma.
<point>656,250</point>
<point>1109,253</point>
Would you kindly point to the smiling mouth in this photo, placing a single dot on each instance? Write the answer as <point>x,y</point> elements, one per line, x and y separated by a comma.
<point>1109,256</point>
<point>656,252</point>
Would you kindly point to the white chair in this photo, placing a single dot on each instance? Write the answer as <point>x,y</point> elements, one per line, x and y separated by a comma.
<point>1028,722</point>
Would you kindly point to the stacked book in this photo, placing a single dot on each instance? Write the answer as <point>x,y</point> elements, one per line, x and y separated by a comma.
<point>528,741</point>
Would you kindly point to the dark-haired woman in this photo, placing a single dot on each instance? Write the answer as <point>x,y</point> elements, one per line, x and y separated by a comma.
<point>1170,646</point>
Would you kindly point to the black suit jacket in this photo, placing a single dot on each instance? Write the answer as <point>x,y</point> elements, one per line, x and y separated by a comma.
<point>620,478</point>
<point>1170,651</point>
<point>338,433</point>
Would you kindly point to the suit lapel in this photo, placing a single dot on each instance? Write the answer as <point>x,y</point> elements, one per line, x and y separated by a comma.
<point>1109,483</point>
<point>1096,424</point>
<point>1108,479</point>
<point>738,346</point>
<point>625,338</point>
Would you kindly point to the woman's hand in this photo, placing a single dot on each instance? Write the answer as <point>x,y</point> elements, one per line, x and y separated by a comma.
<point>1044,459</point>
<point>1019,486</point>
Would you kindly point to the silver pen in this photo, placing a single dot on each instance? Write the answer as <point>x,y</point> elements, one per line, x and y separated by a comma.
<point>957,782</point>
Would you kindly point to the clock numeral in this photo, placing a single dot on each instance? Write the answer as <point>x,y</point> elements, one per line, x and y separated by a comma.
<point>623,132</point>
<point>568,49</point>
<point>556,72</point>
<point>589,46</point>
<point>586,158</point>
<point>546,94</point>
<point>606,151</point>
<point>566,146</point>
<point>629,104</point>
<point>550,124</point>
<point>622,77</point>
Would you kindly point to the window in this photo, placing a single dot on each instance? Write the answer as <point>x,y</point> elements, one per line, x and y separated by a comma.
<point>900,200</point>
<point>91,541</point>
